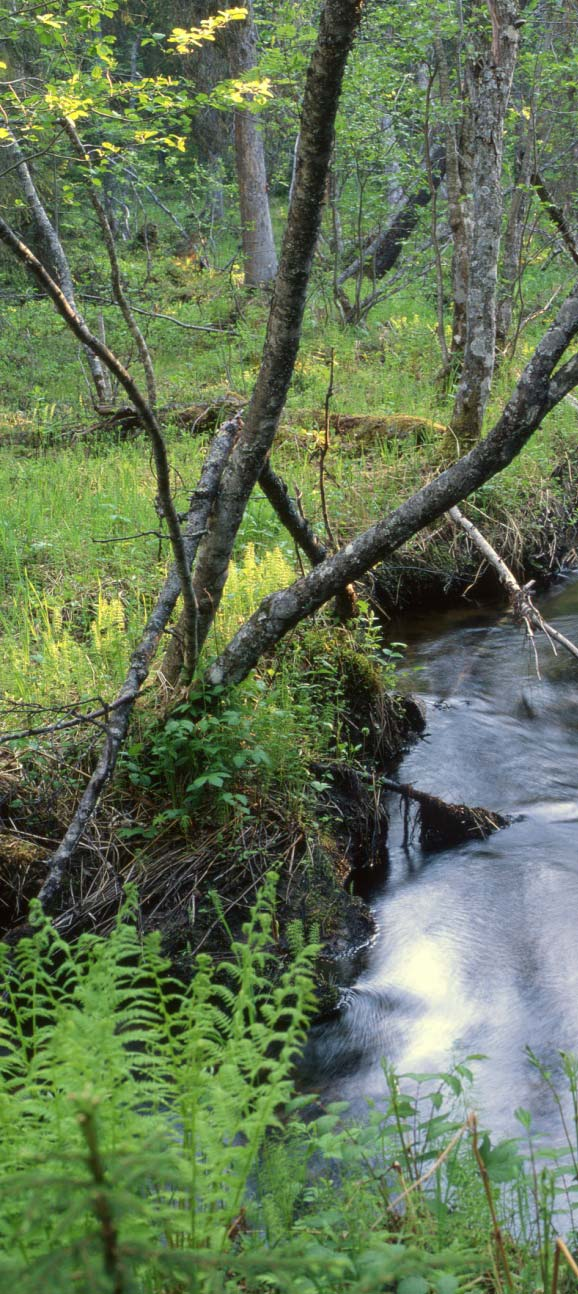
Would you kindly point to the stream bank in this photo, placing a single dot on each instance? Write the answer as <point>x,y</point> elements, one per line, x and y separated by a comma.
<point>342,842</point>
<point>198,889</point>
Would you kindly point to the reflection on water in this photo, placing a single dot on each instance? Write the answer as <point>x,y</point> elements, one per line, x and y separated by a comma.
<point>477,948</point>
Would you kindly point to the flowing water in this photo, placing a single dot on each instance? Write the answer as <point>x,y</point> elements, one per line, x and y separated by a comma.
<point>477,947</point>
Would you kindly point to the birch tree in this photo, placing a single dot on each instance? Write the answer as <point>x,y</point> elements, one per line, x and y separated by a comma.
<point>489,81</point>
<point>259,255</point>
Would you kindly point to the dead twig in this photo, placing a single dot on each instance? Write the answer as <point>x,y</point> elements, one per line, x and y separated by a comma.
<point>520,600</point>
<point>498,1236</point>
<point>561,1250</point>
<point>407,1190</point>
<point>325,450</point>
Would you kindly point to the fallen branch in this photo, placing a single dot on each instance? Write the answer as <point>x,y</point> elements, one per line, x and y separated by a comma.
<point>443,825</point>
<point>520,599</point>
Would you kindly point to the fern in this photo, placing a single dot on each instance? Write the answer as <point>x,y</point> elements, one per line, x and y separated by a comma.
<point>249,581</point>
<point>151,1143</point>
<point>106,1061</point>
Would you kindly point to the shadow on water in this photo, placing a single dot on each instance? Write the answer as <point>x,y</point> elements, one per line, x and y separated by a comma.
<point>477,950</point>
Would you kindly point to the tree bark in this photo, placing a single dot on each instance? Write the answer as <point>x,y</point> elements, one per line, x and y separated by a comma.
<point>140,663</point>
<point>458,203</point>
<point>259,255</point>
<point>489,81</point>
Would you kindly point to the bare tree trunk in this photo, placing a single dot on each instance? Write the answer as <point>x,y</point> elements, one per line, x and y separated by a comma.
<point>338,24</point>
<point>259,255</point>
<point>140,663</point>
<point>539,390</point>
<point>489,81</point>
<point>53,255</point>
<point>457,203</point>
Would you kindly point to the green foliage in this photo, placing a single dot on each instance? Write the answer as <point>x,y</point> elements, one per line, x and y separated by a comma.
<point>152,1140</point>
<point>130,1106</point>
<point>200,751</point>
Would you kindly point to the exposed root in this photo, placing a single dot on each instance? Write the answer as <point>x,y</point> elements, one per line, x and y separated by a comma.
<point>444,825</point>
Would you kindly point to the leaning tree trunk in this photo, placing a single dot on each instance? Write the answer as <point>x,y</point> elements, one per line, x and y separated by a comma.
<point>259,255</point>
<point>382,250</point>
<point>543,384</point>
<point>339,22</point>
<point>489,82</point>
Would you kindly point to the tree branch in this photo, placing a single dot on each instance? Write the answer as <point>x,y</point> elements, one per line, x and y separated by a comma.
<point>536,393</point>
<point>53,250</point>
<point>556,216</point>
<point>520,599</point>
<point>116,277</point>
<point>338,25</point>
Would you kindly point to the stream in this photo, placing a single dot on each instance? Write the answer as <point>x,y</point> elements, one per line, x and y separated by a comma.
<point>477,947</point>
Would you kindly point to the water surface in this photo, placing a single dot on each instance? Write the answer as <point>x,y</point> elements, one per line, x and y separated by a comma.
<point>477,947</point>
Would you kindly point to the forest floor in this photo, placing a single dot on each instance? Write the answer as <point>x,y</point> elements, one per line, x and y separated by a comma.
<point>260,783</point>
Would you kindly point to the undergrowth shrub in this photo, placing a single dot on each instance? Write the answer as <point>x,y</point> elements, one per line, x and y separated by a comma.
<point>221,750</point>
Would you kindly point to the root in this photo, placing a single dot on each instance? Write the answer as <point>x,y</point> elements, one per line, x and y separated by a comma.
<point>444,825</point>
